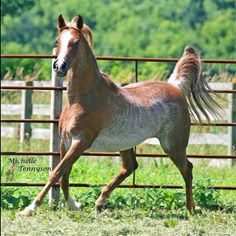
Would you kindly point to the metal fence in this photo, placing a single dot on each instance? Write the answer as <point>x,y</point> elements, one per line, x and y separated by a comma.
<point>56,106</point>
<point>26,109</point>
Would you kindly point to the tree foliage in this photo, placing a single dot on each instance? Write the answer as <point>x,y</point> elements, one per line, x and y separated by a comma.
<point>122,28</point>
<point>15,7</point>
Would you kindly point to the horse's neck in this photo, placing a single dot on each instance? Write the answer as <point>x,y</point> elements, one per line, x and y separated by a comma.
<point>84,76</point>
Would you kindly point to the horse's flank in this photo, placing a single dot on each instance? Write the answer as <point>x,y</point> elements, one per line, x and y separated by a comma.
<point>138,113</point>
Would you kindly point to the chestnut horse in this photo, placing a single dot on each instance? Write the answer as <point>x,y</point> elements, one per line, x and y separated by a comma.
<point>100,116</point>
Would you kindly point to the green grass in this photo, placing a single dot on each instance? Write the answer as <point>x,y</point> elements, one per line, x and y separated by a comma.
<point>101,170</point>
<point>118,222</point>
<point>129,211</point>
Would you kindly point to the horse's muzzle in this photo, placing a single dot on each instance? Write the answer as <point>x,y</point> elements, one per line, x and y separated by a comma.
<point>60,68</point>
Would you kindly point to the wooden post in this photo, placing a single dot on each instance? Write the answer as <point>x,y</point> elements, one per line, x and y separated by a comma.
<point>26,113</point>
<point>56,108</point>
<point>232,118</point>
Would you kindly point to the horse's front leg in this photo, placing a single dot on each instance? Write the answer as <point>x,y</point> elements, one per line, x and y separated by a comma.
<point>129,165</point>
<point>74,152</point>
<point>64,183</point>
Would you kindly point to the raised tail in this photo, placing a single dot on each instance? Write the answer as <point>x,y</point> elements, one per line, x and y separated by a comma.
<point>188,77</point>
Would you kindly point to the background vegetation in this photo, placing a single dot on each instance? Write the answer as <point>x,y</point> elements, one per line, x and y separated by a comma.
<point>134,28</point>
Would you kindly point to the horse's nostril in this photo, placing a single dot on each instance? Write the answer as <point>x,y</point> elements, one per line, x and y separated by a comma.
<point>55,65</point>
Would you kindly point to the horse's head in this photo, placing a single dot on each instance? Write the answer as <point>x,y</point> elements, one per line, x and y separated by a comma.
<point>68,41</point>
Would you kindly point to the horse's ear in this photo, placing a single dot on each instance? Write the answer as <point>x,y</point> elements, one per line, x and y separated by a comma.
<point>80,22</point>
<point>61,22</point>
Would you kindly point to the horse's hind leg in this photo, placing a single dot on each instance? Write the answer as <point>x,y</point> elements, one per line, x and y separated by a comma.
<point>185,167</point>
<point>177,153</point>
<point>64,183</point>
<point>129,165</point>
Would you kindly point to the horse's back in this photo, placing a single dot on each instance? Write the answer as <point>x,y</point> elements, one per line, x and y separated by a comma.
<point>151,91</point>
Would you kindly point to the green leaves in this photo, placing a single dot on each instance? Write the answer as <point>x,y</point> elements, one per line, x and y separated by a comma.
<point>15,7</point>
<point>206,197</point>
<point>171,223</point>
<point>145,199</point>
<point>13,199</point>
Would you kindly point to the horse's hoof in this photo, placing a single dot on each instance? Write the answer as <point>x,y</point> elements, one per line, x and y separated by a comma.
<point>99,208</point>
<point>26,212</point>
<point>194,210</point>
<point>76,206</point>
<point>197,210</point>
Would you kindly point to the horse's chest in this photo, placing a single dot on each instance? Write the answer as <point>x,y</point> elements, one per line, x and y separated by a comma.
<point>77,123</point>
<point>67,126</point>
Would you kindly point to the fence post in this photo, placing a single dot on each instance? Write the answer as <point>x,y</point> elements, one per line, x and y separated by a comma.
<point>56,108</point>
<point>232,118</point>
<point>26,113</point>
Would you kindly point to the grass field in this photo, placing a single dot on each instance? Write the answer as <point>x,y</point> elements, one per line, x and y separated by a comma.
<point>129,211</point>
<point>119,222</point>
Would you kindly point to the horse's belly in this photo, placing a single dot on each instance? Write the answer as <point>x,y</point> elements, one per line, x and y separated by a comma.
<point>114,143</point>
<point>125,135</point>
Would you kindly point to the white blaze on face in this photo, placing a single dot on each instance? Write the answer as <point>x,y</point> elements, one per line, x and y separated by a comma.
<point>65,39</point>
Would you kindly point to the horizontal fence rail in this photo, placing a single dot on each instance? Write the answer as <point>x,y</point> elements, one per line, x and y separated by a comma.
<point>55,121</point>
<point>172,186</point>
<point>208,156</point>
<point>112,58</point>
<point>32,87</point>
<point>64,88</point>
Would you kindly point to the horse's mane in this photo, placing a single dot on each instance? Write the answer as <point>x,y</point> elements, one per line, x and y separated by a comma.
<point>88,34</point>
